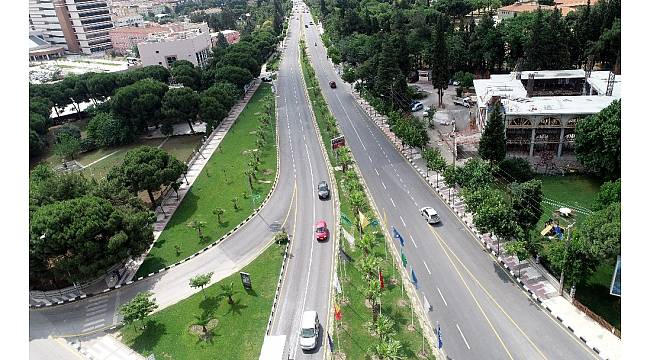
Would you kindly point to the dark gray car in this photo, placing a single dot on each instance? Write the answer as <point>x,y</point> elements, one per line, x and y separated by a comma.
<point>323,190</point>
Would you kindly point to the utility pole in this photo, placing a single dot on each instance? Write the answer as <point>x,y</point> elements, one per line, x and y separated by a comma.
<point>566,252</point>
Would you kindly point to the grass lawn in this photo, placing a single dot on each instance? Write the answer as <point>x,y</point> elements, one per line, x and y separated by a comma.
<point>579,191</point>
<point>221,180</point>
<point>354,339</point>
<point>240,331</point>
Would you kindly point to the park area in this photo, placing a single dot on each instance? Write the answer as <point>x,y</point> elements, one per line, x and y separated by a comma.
<point>223,184</point>
<point>237,329</point>
<point>578,192</point>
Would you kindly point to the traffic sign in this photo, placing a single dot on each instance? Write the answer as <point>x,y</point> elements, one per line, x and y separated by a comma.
<point>337,142</point>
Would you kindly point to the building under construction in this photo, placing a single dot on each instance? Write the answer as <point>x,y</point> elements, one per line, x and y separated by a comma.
<point>541,108</point>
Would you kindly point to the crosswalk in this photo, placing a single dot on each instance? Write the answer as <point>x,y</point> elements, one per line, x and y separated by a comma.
<point>96,310</point>
<point>107,347</point>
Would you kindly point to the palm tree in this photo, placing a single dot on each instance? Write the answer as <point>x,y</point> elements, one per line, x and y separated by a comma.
<point>389,350</point>
<point>250,173</point>
<point>367,242</point>
<point>358,204</point>
<point>218,212</point>
<point>369,265</point>
<point>203,321</point>
<point>371,293</point>
<point>198,226</point>
<point>228,290</point>
<point>344,158</point>
<point>235,202</point>
<point>385,327</point>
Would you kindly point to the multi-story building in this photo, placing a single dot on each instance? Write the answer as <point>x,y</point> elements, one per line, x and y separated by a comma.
<point>81,26</point>
<point>129,20</point>
<point>126,38</point>
<point>522,6</point>
<point>164,49</point>
<point>541,108</point>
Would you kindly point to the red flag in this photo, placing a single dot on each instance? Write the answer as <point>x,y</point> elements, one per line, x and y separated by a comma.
<point>381,280</point>
<point>337,312</point>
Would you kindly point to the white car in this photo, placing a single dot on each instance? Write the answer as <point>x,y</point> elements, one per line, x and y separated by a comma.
<point>417,106</point>
<point>309,329</point>
<point>430,215</point>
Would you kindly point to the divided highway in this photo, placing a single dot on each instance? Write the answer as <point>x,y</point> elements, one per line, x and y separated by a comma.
<point>307,282</point>
<point>482,313</point>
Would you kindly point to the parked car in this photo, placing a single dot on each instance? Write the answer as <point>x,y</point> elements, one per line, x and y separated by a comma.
<point>417,106</point>
<point>322,233</point>
<point>267,78</point>
<point>323,190</point>
<point>306,26</point>
<point>332,84</point>
<point>309,328</point>
<point>430,215</point>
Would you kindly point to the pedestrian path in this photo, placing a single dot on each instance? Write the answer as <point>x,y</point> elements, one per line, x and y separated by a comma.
<point>532,277</point>
<point>169,203</point>
<point>106,347</point>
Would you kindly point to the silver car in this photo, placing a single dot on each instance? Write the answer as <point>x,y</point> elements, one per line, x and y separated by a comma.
<point>430,215</point>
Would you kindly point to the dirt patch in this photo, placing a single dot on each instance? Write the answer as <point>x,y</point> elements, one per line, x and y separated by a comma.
<point>410,327</point>
<point>402,303</point>
<point>200,332</point>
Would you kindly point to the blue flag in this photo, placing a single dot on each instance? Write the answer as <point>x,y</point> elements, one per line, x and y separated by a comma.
<point>414,279</point>
<point>439,337</point>
<point>398,236</point>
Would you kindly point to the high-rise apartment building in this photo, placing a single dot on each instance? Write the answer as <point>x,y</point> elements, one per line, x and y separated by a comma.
<point>81,26</point>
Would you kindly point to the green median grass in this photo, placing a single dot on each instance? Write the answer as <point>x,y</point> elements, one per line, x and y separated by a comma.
<point>240,331</point>
<point>352,336</point>
<point>221,180</point>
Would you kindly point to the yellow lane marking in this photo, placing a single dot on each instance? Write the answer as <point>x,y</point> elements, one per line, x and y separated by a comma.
<point>473,297</point>
<point>442,242</point>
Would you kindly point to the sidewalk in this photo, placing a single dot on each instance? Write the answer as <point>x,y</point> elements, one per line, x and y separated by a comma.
<point>169,204</point>
<point>541,286</point>
<point>104,347</point>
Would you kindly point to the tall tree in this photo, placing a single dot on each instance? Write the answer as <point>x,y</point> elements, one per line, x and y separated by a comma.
<point>211,111</point>
<point>609,193</point>
<point>492,146</point>
<point>440,60</point>
<point>598,141</point>
<point>181,104</point>
<point>147,168</point>
<point>139,308</point>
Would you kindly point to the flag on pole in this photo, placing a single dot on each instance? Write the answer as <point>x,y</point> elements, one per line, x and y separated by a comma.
<point>337,284</point>
<point>330,342</point>
<point>363,220</point>
<point>398,236</point>
<point>337,312</point>
<point>439,333</point>
<point>404,261</point>
<point>414,279</point>
<point>381,280</point>
<point>427,306</point>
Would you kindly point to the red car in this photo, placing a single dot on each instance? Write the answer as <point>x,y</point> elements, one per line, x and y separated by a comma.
<point>322,233</point>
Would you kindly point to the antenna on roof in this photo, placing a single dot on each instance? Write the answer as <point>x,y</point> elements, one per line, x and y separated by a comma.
<point>589,65</point>
<point>610,84</point>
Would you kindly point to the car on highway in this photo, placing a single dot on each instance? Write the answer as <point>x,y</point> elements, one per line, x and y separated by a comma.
<point>417,106</point>
<point>322,232</point>
<point>430,215</point>
<point>309,328</point>
<point>323,190</point>
<point>332,84</point>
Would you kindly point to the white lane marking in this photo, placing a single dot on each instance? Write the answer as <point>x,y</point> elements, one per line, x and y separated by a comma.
<point>426,266</point>
<point>461,334</point>
<point>391,200</point>
<point>413,241</point>
<point>443,298</point>
<point>376,172</point>
<point>401,218</point>
<point>384,185</point>
<point>369,158</point>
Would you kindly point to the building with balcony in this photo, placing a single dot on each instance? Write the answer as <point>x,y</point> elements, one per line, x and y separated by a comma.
<point>129,20</point>
<point>541,108</point>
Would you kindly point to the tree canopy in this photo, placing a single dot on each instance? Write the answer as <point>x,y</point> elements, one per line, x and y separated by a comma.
<point>598,141</point>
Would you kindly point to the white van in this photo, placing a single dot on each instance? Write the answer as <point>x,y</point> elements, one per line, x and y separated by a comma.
<point>309,329</point>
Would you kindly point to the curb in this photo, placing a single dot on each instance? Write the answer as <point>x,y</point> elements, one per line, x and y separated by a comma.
<point>223,237</point>
<point>473,230</point>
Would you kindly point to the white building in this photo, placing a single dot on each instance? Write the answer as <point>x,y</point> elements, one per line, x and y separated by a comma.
<point>541,108</point>
<point>163,49</point>
<point>130,20</point>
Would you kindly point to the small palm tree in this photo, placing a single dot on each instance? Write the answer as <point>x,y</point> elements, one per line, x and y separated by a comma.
<point>369,265</point>
<point>198,226</point>
<point>228,290</point>
<point>281,237</point>
<point>358,204</point>
<point>344,158</point>
<point>203,321</point>
<point>235,202</point>
<point>385,327</point>
<point>218,212</point>
<point>367,242</point>
<point>250,173</point>
<point>371,292</point>
<point>389,350</point>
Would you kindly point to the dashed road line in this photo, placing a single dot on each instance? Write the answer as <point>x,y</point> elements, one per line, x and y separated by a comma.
<point>463,336</point>
<point>442,297</point>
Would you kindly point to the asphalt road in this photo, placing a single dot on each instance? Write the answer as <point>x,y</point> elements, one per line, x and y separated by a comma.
<point>309,269</point>
<point>482,313</point>
<point>233,253</point>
